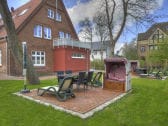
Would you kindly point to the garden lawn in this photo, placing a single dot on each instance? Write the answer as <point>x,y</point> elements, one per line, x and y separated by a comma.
<point>146,105</point>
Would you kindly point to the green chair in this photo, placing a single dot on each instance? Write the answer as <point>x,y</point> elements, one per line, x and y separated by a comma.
<point>96,82</point>
<point>62,92</point>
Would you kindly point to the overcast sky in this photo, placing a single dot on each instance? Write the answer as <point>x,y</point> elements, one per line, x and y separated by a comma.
<point>80,9</point>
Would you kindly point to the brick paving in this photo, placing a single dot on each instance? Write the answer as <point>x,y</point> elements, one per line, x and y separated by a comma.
<point>84,101</point>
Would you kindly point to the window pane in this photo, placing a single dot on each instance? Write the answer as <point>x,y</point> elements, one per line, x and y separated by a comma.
<point>50,13</point>
<point>38,31</point>
<point>38,58</point>
<point>47,33</point>
<point>58,17</point>
<point>61,34</point>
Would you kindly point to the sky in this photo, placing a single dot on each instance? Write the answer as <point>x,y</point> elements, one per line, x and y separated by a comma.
<point>80,9</point>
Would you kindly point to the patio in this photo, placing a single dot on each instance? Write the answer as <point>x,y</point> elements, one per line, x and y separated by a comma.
<point>84,105</point>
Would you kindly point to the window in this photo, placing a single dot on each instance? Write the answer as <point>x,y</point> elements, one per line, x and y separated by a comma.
<point>38,58</point>
<point>142,48</point>
<point>78,55</point>
<point>68,36</point>
<point>61,34</point>
<point>0,57</point>
<point>23,12</point>
<point>151,47</point>
<point>50,13</point>
<point>47,33</point>
<point>158,37</point>
<point>58,17</point>
<point>38,31</point>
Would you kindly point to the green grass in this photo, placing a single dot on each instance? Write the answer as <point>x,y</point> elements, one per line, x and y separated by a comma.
<point>146,105</point>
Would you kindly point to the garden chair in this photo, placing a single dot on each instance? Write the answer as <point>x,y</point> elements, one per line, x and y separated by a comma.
<point>60,75</point>
<point>88,80</point>
<point>68,72</point>
<point>81,79</point>
<point>96,80</point>
<point>62,91</point>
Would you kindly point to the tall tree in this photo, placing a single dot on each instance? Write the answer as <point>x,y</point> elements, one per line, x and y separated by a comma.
<point>158,56</point>
<point>129,50</point>
<point>86,29</point>
<point>13,43</point>
<point>100,31</point>
<point>119,12</point>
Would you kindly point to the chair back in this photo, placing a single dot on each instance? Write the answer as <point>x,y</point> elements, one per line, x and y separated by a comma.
<point>97,76</point>
<point>65,84</point>
<point>89,76</point>
<point>81,77</point>
<point>60,73</point>
<point>68,72</point>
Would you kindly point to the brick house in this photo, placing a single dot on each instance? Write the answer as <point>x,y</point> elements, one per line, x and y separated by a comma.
<point>150,39</point>
<point>52,43</point>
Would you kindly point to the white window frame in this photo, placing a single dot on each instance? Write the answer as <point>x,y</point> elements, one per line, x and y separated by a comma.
<point>0,57</point>
<point>142,49</point>
<point>61,34</point>
<point>47,33</point>
<point>58,17</point>
<point>38,31</point>
<point>78,56</point>
<point>50,13</point>
<point>35,55</point>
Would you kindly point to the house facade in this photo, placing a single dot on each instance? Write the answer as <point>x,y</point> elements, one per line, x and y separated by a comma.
<point>150,39</point>
<point>99,50</point>
<point>52,43</point>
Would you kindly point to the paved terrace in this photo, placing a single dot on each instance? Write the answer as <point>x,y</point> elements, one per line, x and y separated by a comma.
<point>84,105</point>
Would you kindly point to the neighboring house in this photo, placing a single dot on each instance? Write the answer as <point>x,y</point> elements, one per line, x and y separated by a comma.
<point>46,28</point>
<point>150,39</point>
<point>99,50</point>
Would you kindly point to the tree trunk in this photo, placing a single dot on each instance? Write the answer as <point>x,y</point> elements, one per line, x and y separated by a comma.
<point>13,43</point>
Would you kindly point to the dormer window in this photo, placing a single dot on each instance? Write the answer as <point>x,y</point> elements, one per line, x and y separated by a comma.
<point>58,17</point>
<point>23,12</point>
<point>50,13</point>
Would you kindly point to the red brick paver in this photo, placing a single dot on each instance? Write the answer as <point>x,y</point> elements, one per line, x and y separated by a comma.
<point>84,101</point>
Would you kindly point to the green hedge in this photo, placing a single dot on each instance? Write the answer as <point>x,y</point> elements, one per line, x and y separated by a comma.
<point>97,64</point>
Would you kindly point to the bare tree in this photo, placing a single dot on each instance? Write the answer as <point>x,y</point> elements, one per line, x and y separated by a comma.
<point>86,29</point>
<point>118,13</point>
<point>13,43</point>
<point>100,30</point>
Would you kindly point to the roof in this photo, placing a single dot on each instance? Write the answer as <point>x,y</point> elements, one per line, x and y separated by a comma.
<point>98,45</point>
<point>116,60</point>
<point>21,14</point>
<point>162,26</point>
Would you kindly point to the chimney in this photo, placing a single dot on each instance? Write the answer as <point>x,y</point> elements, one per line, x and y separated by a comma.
<point>12,9</point>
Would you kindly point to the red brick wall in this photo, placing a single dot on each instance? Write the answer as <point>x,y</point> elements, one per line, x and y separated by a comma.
<point>41,44</point>
<point>66,62</point>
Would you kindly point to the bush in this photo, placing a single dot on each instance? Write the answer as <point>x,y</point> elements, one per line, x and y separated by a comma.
<point>97,64</point>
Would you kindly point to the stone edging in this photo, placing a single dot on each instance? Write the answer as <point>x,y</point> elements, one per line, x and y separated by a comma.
<point>83,116</point>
